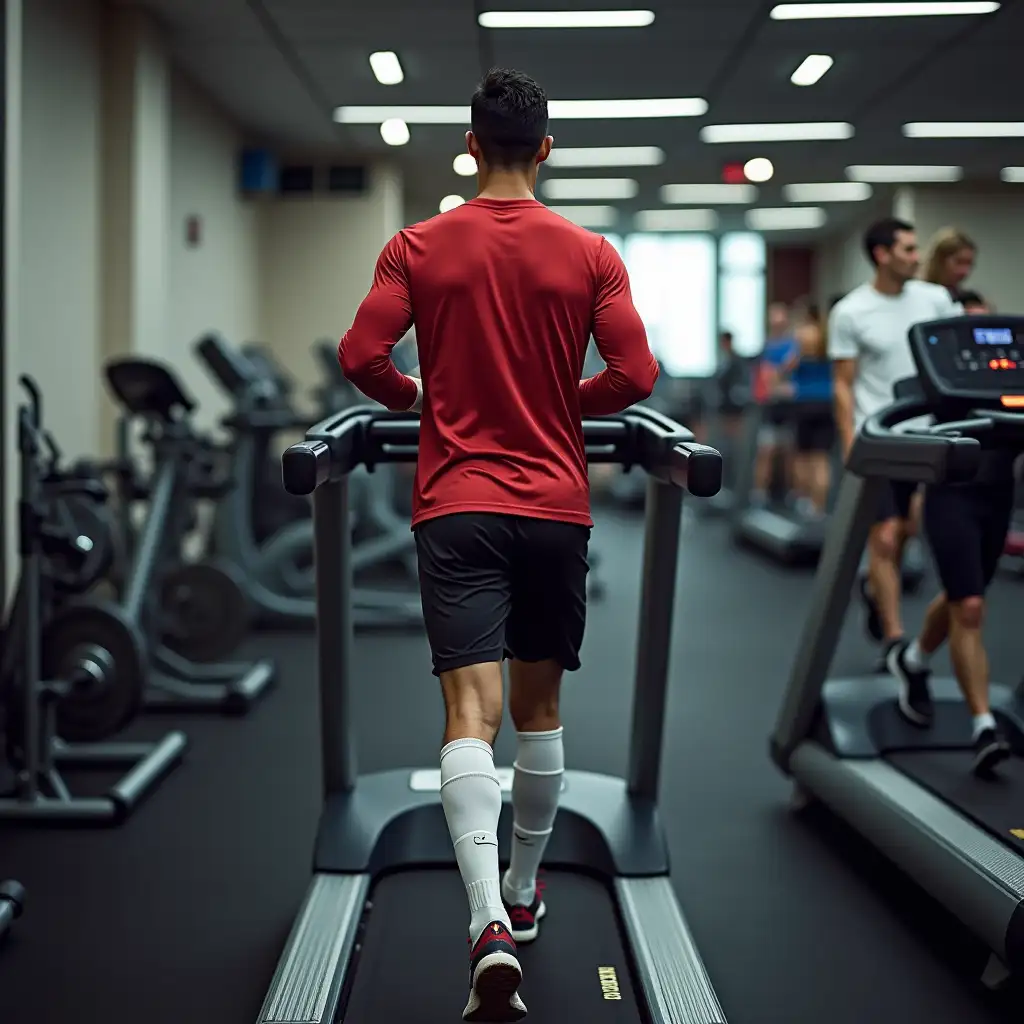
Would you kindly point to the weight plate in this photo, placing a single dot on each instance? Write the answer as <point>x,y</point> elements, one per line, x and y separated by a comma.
<point>90,525</point>
<point>105,699</point>
<point>204,611</point>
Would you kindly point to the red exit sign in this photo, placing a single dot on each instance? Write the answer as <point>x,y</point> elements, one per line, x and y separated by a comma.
<point>732,174</point>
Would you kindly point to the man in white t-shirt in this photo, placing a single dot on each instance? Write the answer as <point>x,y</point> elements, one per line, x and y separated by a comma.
<point>870,352</point>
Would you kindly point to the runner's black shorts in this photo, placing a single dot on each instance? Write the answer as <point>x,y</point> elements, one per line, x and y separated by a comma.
<point>966,530</point>
<point>502,586</point>
<point>896,501</point>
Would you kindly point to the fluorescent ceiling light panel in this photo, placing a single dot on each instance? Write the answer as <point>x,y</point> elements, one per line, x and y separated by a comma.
<point>1015,175</point>
<point>394,131</point>
<point>589,188</point>
<point>568,110</point>
<point>465,165</point>
<point>964,130</point>
<point>565,19</point>
<point>386,67</point>
<point>676,220</point>
<point>450,203</point>
<point>703,195</point>
<point>903,174</point>
<point>785,218</point>
<point>827,192</point>
<point>606,156</point>
<point>799,131</point>
<point>907,9</point>
<point>588,216</point>
<point>812,69</point>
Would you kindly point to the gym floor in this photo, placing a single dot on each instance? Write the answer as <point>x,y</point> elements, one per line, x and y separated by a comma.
<point>180,914</point>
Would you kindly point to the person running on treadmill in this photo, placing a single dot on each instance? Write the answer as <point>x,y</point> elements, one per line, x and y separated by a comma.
<point>867,343</point>
<point>965,526</point>
<point>975,304</point>
<point>731,385</point>
<point>505,294</point>
<point>778,358</point>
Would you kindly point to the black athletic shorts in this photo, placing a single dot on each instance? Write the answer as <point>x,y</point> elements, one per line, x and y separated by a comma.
<point>496,586</point>
<point>896,500</point>
<point>815,433</point>
<point>966,528</point>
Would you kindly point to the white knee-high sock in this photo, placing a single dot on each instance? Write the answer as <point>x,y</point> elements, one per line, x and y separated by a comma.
<point>536,784</point>
<point>471,797</point>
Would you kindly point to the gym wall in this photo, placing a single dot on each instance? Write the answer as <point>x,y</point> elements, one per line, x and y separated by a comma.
<point>841,263</point>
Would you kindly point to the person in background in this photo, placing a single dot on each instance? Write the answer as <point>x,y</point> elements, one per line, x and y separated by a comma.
<point>975,304</point>
<point>867,343</point>
<point>773,441</point>
<point>731,386</point>
<point>811,379</point>
<point>950,260</point>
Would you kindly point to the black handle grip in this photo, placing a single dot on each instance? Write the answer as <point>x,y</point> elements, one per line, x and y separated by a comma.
<point>698,468</point>
<point>305,466</point>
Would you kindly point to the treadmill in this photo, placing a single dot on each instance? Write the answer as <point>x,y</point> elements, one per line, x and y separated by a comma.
<point>616,947</point>
<point>777,531</point>
<point>908,790</point>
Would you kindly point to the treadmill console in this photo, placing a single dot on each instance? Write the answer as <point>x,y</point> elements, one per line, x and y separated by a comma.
<point>972,359</point>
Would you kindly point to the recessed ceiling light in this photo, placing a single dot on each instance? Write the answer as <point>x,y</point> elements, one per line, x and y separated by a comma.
<point>1014,175</point>
<point>798,131</point>
<point>903,173</point>
<point>759,169</point>
<point>812,69</point>
<point>589,188</point>
<point>588,216</point>
<point>450,202</point>
<point>701,195</point>
<point>804,12</point>
<point>386,67</point>
<point>465,165</point>
<point>964,129</point>
<point>785,218</point>
<point>566,110</point>
<point>394,131</point>
<point>827,192</point>
<point>565,19</point>
<point>676,220</point>
<point>606,156</point>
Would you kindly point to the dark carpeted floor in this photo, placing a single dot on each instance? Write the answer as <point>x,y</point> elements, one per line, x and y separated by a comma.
<point>180,915</point>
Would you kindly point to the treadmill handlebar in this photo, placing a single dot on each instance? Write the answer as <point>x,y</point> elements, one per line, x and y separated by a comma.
<point>925,455</point>
<point>367,436</point>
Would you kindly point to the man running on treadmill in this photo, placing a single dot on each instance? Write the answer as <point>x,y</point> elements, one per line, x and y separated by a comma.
<point>867,343</point>
<point>505,295</point>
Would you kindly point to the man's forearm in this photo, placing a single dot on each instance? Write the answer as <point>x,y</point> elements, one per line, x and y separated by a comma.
<point>843,409</point>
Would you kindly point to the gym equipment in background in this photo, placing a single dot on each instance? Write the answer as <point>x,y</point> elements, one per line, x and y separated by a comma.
<point>383,837</point>
<point>198,608</point>
<point>87,699</point>
<point>276,575</point>
<point>908,790</point>
<point>12,903</point>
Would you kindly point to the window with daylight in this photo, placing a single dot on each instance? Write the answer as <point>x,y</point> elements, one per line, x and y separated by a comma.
<point>741,290</point>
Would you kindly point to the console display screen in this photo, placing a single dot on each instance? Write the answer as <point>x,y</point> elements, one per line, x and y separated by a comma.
<point>993,336</point>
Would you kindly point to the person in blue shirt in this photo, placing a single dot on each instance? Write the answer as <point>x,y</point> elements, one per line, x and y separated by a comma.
<point>774,441</point>
<point>815,436</point>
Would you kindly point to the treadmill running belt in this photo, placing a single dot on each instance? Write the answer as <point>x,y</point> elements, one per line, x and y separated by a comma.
<point>414,962</point>
<point>995,804</point>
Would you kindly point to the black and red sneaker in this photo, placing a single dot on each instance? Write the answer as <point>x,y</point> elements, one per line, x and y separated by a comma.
<point>526,920</point>
<point>494,978</point>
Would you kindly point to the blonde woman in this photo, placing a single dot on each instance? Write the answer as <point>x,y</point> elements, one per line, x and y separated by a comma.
<point>950,260</point>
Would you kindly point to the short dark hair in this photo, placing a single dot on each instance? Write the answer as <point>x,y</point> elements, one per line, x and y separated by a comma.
<point>726,336</point>
<point>883,233</point>
<point>509,117</point>
<point>970,298</point>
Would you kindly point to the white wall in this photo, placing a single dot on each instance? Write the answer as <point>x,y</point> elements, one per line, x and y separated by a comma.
<point>214,285</point>
<point>317,257</point>
<point>995,220</point>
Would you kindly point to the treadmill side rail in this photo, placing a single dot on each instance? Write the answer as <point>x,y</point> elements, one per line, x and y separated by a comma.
<point>308,981</point>
<point>978,878</point>
<point>675,982</point>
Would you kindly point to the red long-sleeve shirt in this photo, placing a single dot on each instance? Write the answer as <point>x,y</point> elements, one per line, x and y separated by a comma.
<point>505,295</point>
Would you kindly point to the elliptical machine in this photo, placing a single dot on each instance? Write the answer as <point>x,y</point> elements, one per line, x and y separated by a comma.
<point>82,698</point>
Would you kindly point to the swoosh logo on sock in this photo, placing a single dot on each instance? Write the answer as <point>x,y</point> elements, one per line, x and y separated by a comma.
<point>483,841</point>
<point>523,839</point>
